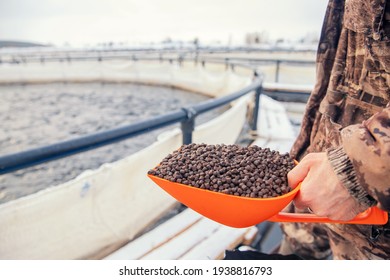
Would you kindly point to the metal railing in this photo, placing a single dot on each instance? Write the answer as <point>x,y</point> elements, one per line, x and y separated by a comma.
<point>186,116</point>
<point>20,57</point>
<point>153,55</point>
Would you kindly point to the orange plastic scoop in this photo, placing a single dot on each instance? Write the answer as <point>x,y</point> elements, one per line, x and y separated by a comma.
<point>239,212</point>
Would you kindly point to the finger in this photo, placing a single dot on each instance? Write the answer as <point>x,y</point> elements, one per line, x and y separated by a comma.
<point>298,174</point>
<point>299,200</point>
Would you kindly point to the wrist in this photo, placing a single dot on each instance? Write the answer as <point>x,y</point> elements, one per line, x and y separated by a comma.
<point>346,173</point>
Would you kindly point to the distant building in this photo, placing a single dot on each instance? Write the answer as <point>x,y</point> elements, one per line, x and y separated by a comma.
<point>256,38</point>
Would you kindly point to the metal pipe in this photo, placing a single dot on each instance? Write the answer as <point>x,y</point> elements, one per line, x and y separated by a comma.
<point>16,161</point>
<point>230,60</point>
<point>256,109</point>
<point>277,71</point>
<point>188,125</point>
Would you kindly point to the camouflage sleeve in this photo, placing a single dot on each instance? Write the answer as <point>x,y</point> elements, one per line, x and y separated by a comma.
<point>362,162</point>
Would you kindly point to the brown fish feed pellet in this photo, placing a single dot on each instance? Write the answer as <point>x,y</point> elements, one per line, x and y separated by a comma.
<point>230,169</point>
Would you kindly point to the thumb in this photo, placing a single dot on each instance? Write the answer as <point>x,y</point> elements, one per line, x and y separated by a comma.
<point>298,174</point>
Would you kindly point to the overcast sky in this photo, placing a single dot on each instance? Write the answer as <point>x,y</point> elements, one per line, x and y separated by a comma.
<point>82,22</point>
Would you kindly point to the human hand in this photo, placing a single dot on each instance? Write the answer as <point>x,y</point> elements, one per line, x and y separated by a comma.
<point>321,191</point>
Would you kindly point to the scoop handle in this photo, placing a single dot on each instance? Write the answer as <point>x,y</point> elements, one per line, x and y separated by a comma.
<point>372,216</point>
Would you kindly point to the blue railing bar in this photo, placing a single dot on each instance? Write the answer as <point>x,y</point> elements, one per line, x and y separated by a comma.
<point>290,91</point>
<point>16,161</point>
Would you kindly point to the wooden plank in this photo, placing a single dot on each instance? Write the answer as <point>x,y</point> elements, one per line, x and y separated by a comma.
<point>156,237</point>
<point>273,120</point>
<point>275,129</point>
<point>184,242</point>
<point>250,235</point>
<point>226,238</point>
<point>185,236</point>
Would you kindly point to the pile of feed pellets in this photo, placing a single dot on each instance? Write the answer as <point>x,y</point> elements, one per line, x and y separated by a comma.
<point>231,169</point>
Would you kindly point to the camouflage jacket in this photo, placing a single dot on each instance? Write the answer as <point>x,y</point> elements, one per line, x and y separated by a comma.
<point>348,116</point>
<point>348,113</point>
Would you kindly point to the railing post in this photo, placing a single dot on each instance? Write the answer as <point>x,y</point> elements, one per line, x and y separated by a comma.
<point>277,71</point>
<point>188,125</point>
<point>256,108</point>
<point>180,60</point>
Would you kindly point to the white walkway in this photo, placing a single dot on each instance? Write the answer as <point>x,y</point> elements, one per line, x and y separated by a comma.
<point>275,130</point>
